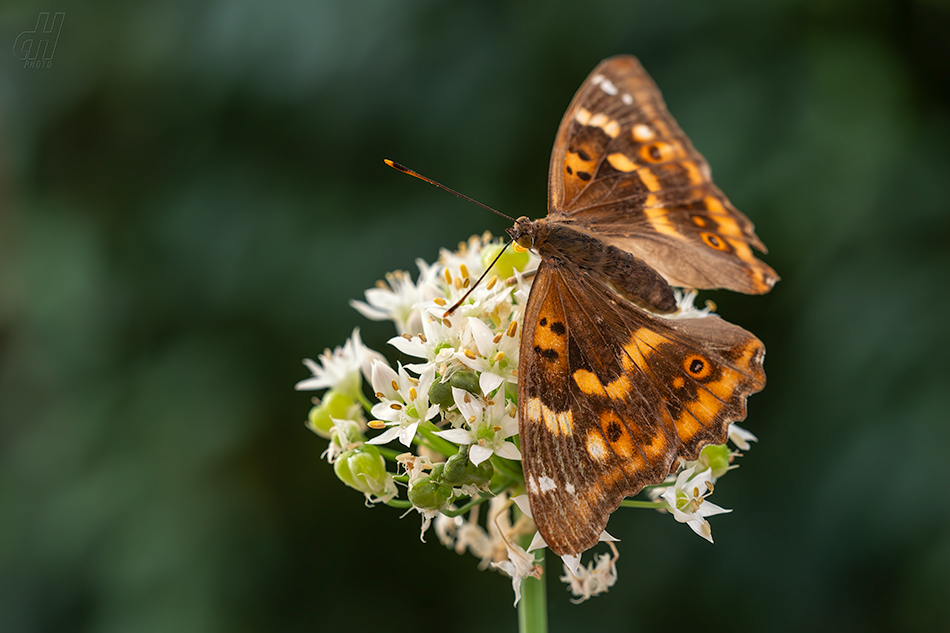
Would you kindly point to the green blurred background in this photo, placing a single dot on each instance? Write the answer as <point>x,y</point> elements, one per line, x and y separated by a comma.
<point>193,191</point>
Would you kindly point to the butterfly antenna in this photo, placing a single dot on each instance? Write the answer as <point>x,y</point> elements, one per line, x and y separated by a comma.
<point>412,172</point>
<point>475,285</point>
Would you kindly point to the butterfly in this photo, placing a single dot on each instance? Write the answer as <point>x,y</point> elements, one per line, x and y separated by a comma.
<point>611,394</point>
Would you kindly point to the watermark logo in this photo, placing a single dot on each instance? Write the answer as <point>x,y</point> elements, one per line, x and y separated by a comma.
<point>36,47</point>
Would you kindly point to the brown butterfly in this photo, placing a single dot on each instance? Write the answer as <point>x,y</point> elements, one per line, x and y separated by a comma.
<point>610,395</point>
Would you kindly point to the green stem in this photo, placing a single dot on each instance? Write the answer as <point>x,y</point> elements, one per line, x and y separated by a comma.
<point>533,608</point>
<point>361,397</point>
<point>427,431</point>
<point>643,504</point>
<point>389,453</point>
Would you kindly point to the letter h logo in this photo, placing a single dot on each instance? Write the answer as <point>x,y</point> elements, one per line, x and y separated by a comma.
<point>36,47</point>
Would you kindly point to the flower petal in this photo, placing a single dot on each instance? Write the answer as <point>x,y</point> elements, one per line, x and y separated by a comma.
<point>508,451</point>
<point>456,436</point>
<point>488,382</point>
<point>477,454</point>
<point>386,436</point>
<point>412,347</point>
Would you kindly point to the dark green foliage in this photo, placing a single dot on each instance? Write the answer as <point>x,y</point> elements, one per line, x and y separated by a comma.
<point>192,192</point>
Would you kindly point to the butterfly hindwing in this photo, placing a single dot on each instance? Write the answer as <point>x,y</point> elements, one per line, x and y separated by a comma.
<point>623,169</point>
<point>610,397</point>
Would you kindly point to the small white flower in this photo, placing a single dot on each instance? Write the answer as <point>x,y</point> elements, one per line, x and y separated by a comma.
<point>439,341</point>
<point>687,501</point>
<point>415,466</point>
<point>398,302</point>
<point>519,565</point>
<point>685,308</point>
<point>403,402</point>
<point>446,529</point>
<point>489,425</point>
<point>497,362</point>
<point>597,577</point>
<point>341,368</point>
<point>462,535</point>
<point>740,437</point>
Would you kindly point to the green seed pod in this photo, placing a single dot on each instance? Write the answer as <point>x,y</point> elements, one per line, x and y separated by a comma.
<point>467,380</point>
<point>717,458</point>
<point>481,474</point>
<point>429,495</point>
<point>454,472</point>
<point>460,471</point>
<point>362,469</point>
<point>440,393</point>
<point>334,404</point>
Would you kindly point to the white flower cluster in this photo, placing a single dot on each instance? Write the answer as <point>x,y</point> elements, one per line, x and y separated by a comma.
<point>457,407</point>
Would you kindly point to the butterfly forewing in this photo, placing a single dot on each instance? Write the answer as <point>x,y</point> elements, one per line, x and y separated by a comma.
<point>610,396</point>
<point>622,168</point>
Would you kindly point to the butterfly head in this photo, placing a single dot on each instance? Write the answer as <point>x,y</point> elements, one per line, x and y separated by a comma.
<point>524,232</point>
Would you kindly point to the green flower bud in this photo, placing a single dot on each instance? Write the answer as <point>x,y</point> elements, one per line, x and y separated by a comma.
<point>440,393</point>
<point>507,263</point>
<point>363,469</point>
<point>335,404</point>
<point>716,457</point>
<point>467,380</point>
<point>429,495</point>
<point>459,471</point>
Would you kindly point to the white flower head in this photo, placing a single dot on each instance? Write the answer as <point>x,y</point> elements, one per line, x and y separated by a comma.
<point>687,501</point>
<point>341,368</point>
<point>398,298</point>
<point>597,577</point>
<point>403,402</point>
<point>489,426</point>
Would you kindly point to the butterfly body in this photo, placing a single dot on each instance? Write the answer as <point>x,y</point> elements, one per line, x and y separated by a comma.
<point>612,395</point>
<point>631,277</point>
